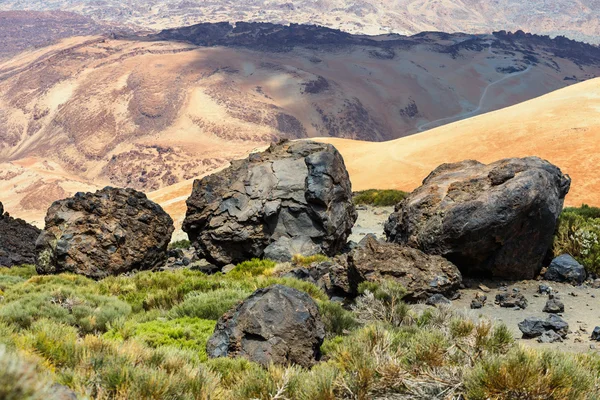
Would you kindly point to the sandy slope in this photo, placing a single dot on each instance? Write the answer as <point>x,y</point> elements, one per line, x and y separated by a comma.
<point>562,127</point>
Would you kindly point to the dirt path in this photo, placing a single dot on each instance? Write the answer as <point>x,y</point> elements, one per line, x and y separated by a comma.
<point>433,124</point>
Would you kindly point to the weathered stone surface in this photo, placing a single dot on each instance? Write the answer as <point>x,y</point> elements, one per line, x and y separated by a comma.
<point>550,337</point>
<point>277,325</point>
<point>437,299</point>
<point>596,334</point>
<point>294,197</point>
<point>511,300</point>
<point>493,220</point>
<point>17,240</point>
<point>422,275</point>
<point>554,306</point>
<point>565,268</point>
<point>534,327</point>
<point>105,233</point>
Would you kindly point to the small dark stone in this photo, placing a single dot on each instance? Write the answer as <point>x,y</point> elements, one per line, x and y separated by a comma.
<point>544,289</point>
<point>511,300</point>
<point>534,327</point>
<point>565,268</point>
<point>550,337</point>
<point>437,299</point>
<point>596,334</point>
<point>476,304</point>
<point>554,306</point>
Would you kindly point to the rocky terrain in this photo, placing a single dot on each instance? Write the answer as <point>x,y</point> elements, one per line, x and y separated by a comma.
<point>17,240</point>
<point>154,112</point>
<point>25,30</point>
<point>576,19</point>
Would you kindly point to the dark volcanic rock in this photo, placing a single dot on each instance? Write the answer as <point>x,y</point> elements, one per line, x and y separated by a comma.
<point>554,306</point>
<point>437,299</point>
<point>550,337</point>
<point>293,198</point>
<point>534,327</point>
<point>105,233</point>
<point>510,300</point>
<point>493,220</point>
<point>277,325</point>
<point>17,240</point>
<point>565,268</point>
<point>596,333</point>
<point>422,275</point>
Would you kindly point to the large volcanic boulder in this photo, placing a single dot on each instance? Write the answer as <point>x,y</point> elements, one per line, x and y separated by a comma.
<point>491,220</point>
<point>105,233</point>
<point>293,198</point>
<point>17,240</point>
<point>277,325</point>
<point>422,275</point>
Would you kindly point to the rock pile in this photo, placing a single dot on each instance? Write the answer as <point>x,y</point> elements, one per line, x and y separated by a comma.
<point>493,220</point>
<point>105,233</point>
<point>277,325</point>
<point>294,198</point>
<point>17,240</point>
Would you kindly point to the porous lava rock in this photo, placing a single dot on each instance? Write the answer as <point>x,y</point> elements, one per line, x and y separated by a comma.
<point>295,197</point>
<point>277,325</point>
<point>109,232</point>
<point>17,240</point>
<point>493,220</point>
<point>422,275</point>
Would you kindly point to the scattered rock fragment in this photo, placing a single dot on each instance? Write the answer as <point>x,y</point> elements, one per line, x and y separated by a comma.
<point>596,334</point>
<point>554,306</point>
<point>533,327</point>
<point>544,289</point>
<point>550,337</point>
<point>479,301</point>
<point>437,299</point>
<point>565,268</point>
<point>277,325</point>
<point>511,300</point>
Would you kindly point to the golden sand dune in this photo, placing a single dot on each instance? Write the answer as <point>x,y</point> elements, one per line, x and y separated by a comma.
<point>562,127</point>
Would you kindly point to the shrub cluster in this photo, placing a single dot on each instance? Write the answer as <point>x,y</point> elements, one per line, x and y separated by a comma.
<point>578,234</point>
<point>379,198</point>
<point>144,336</point>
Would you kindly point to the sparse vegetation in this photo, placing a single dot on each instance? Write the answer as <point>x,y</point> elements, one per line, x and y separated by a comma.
<point>578,234</point>
<point>180,244</point>
<point>305,261</point>
<point>144,337</point>
<point>379,198</point>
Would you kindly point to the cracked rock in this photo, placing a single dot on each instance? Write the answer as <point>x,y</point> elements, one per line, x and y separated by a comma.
<point>294,198</point>
<point>277,325</point>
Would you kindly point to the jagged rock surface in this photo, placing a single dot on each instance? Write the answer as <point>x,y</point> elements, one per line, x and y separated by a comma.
<point>565,268</point>
<point>277,325</point>
<point>422,275</point>
<point>294,197</point>
<point>493,220</point>
<point>17,240</point>
<point>105,233</point>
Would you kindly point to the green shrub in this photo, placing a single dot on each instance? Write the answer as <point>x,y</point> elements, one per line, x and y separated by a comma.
<point>180,244</point>
<point>531,374</point>
<point>24,271</point>
<point>337,320</point>
<point>306,261</point>
<point>208,305</point>
<point>379,198</point>
<point>88,312</point>
<point>183,333</point>
<point>254,267</point>
<point>19,380</point>
<point>584,211</point>
<point>580,237</point>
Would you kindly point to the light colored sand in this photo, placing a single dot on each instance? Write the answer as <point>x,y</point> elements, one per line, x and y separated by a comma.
<point>562,127</point>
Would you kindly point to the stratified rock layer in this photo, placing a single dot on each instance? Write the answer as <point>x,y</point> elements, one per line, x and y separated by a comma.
<point>295,197</point>
<point>277,325</point>
<point>493,220</point>
<point>105,233</point>
<point>17,240</point>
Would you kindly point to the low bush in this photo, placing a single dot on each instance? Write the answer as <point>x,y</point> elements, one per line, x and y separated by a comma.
<point>578,234</point>
<point>379,198</point>
<point>209,305</point>
<point>180,244</point>
<point>337,320</point>
<point>306,261</point>
<point>254,267</point>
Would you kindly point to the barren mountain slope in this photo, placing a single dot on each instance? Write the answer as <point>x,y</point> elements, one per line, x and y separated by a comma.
<point>578,19</point>
<point>562,127</point>
<point>21,30</point>
<point>149,113</point>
